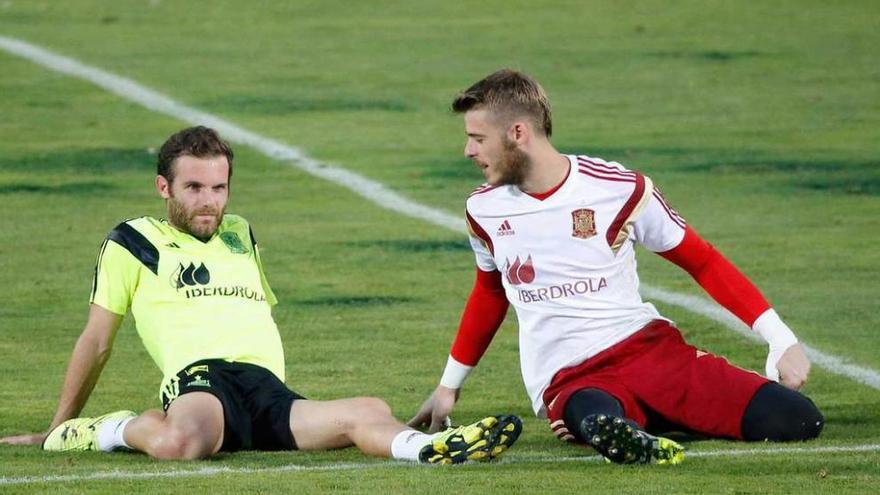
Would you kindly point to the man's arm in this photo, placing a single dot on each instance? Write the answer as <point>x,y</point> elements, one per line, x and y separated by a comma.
<point>733,290</point>
<point>483,315</point>
<point>89,356</point>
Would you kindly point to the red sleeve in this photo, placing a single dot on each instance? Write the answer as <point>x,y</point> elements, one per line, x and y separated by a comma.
<point>485,310</point>
<point>718,277</point>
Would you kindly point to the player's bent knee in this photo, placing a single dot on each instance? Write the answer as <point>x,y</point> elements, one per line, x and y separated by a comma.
<point>781,415</point>
<point>166,445</point>
<point>584,403</point>
<point>175,444</point>
<point>373,407</point>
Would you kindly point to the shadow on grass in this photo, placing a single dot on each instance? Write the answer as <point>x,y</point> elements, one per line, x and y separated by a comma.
<point>413,245</point>
<point>349,301</point>
<point>708,55</point>
<point>452,168</point>
<point>90,161</point>
<point>279,105</point>
<point>75,188</point>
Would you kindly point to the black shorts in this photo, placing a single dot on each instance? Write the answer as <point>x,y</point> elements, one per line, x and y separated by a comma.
<point>256,404</point>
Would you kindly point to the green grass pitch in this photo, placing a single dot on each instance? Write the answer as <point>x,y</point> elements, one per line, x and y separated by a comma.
<point>757,119</point>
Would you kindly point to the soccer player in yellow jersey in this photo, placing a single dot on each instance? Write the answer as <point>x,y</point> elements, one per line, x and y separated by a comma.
<point>196,288</point>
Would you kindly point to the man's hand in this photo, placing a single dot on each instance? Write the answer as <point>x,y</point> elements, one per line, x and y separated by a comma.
<point>90,353</point>
<point>435,410</point>
<point>793,367</point>
<point>28,439</point>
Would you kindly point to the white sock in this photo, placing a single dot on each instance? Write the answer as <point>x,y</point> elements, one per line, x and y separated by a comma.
<point>110,435</point>
<point>408,443</point>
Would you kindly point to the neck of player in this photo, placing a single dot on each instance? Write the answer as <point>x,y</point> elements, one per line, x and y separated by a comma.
<point>548,169</point>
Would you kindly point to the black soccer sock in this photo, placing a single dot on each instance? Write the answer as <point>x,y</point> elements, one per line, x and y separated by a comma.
<point>587,402</point>
<point>779,414</point>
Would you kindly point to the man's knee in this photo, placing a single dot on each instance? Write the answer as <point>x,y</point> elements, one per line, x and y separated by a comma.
<point>778,414</point>
<point>587,402</point>
<point>371,407</point>
<point>170,444</point>
<point>192,428</point>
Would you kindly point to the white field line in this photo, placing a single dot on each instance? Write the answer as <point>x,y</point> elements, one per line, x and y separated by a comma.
<point>369,189</point>
<point>712,311</point>
<point>536,458</point>
<point>126,88</point>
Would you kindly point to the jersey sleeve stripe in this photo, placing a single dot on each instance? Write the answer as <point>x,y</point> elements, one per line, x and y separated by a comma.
<point>253,239</point>
<point>673,215</point>
<point>604,167</point>
<point>617,232</point>
<point>606,177</point>
<point>97,267</point>
<point>480,190</point>
<point>479,232</point>
<point>135,243</point>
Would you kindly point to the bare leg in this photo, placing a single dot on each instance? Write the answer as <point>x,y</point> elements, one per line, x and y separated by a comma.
<point>191,429</point>
<point>365,422</point>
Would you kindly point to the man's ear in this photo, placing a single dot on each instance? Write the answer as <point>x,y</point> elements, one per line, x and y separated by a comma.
<point>163,187</point>
<point>519,131</point>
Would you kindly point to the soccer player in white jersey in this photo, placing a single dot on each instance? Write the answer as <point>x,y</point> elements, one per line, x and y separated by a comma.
<point>202,305</point>
<point>554,236</point>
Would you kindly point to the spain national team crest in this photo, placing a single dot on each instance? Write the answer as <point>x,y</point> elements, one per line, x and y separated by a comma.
<point>583,223</point>
<point>233,242</point>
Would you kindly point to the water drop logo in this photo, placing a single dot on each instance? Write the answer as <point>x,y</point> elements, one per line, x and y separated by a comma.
<point>190,276</point>
<point>520,272</point>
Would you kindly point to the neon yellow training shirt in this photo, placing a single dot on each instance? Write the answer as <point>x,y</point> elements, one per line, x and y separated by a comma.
<point>191,300</point>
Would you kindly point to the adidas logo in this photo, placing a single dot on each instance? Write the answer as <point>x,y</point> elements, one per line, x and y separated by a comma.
<point>505,229</point>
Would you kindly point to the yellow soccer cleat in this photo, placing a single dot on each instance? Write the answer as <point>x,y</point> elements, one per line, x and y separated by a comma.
<point>80,434</point>
<point>482,441</point>
<point>623,443</point>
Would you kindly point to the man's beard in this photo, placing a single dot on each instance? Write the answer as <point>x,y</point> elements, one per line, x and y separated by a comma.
<point>183,219</point>
<point>513,165</point>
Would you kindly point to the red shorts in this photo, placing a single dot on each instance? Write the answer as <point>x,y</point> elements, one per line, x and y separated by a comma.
<point>661,382</point>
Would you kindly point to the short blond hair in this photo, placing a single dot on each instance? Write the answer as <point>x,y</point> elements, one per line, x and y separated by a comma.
<point>508,94</point>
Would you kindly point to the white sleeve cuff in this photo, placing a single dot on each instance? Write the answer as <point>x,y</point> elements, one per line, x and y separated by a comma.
<point>774,331</point>
<point>455,374</point>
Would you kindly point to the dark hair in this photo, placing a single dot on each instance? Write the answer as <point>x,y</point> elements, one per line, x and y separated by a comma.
<point>199,141</point>
<point>509,94</point>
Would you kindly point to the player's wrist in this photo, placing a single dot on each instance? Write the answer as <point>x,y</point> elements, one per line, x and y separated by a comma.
<point>454,374</point>
<point>774,331</point>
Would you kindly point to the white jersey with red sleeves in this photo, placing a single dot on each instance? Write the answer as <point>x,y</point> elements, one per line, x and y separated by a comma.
<point>568,262</point>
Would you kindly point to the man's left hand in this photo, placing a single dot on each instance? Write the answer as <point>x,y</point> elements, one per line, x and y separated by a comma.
<point>793,367</point>
<point>29,439</point>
